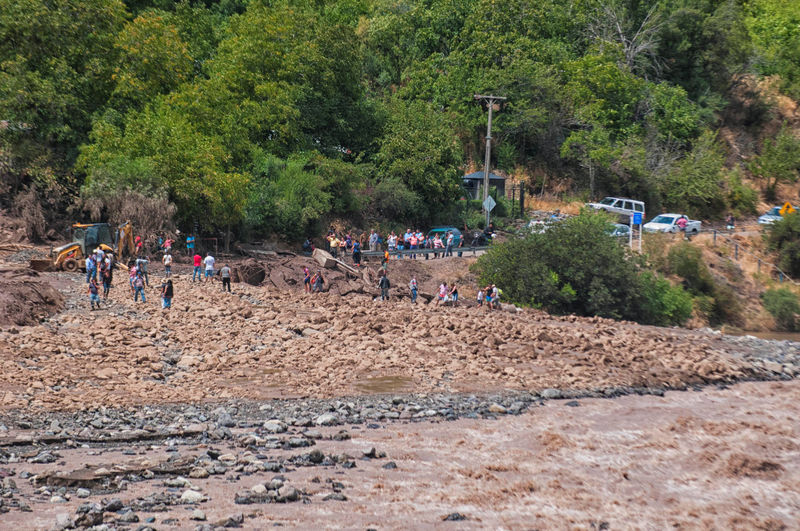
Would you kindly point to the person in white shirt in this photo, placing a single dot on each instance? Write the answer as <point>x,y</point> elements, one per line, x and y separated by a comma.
<point>167,260</point>
<point>209,261</point>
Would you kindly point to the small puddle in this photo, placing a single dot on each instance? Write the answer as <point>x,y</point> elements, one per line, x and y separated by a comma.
<point>384,384</point>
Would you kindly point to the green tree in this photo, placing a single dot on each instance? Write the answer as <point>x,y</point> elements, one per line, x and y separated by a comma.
<point>56,59</point>
<point>694,186</point>
<point>421,150</point>
<point>153,59</point>
<point>779,161</point>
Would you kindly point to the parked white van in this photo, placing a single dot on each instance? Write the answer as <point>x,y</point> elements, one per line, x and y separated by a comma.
<point>619,205</point>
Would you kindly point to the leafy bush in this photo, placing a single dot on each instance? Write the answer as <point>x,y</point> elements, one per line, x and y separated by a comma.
<point>715,300</point>
<point>784,237</point>
<point>784,306</point>
<point>686,261</point>
<point>741,198</point>
<point>577,267</point>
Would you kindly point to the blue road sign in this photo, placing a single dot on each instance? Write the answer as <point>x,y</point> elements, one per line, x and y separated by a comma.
<point>637,218</point>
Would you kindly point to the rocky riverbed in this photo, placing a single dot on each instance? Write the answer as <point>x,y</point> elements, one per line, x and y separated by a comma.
<point>724,457</point>
<point>272,407</point>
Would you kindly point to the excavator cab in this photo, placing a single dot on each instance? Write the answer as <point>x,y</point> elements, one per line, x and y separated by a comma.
<point>86,237</point>
<point>90,237</point>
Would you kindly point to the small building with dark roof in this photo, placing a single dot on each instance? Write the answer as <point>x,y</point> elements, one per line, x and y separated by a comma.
<point>473,184</point>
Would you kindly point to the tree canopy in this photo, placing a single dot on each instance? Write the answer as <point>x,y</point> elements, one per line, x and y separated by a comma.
<point>256,115</point>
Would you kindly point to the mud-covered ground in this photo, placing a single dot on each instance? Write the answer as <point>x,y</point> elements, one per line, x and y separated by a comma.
<point>263,406</point>
<point>260,343</point>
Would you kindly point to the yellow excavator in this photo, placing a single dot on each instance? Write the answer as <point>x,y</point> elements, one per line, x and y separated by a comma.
<point>86,237</point>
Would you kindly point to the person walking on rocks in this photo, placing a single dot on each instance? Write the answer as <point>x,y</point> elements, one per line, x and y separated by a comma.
<point>141,266</point>
<point>333,243</point>
<point>108,276</point>
<point>131,275</point>
<point>357,254</point>
<point>197,260</point>
<point>480,297</point>
<point>91,268</point>
<point>167,260</point>
<point>94,295</point>
<point>209,262</point>
<point>442,295</point>
<point>138,287</point>
<point>454,293</point>
<point>412,285</point>
<point>306,280</point>
<point>166,293</point>
<point>318,282</point>
<point>225,275</point>
<point>384,284</point>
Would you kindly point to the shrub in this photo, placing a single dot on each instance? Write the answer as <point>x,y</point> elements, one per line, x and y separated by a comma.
<point>784,237</point>
<point>784,306</point>
<point>686,261</point>
<point>741,198</point>
<point>577,267</point>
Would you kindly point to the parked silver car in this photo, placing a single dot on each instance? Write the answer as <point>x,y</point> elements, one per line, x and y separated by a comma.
<point>772,215</point>
<point>619,205</point>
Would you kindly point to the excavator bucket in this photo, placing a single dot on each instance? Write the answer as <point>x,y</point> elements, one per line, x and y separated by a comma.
<point>42,265</point>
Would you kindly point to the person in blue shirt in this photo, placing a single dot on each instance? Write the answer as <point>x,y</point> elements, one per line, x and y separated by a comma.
<point>189,245</point>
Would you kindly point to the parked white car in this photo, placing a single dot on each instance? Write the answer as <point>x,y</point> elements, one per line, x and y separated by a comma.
<point>772,215</point>
<point>669,223</point>
<point>619,205</point>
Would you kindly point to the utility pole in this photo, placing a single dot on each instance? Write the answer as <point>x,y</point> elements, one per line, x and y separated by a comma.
<point>490,101</point>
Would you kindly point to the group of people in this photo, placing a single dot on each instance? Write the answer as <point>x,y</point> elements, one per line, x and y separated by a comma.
<point>313,283</point>
<point>102,264</point>
<point>490,295</point>
<point>342,245</point>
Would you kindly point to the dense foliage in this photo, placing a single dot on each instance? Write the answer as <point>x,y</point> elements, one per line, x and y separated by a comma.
<point>784,305</point>
<point>578,267</point>
<point>274,116</point>
<point>784,237</point>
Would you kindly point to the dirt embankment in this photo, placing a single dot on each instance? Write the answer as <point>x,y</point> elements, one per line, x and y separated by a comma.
<point>26,297</point>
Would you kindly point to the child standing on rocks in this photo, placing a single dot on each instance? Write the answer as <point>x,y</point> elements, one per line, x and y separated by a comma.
<point>166,294</point>
<point>307,279</point>
<point>138,287</point>
<point>413,287</point>
<point>94,296</point>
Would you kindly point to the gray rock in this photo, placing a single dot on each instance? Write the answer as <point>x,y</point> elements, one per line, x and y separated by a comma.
<point>83,493</point>
<point>326,419</point>
<point>551,393</point>
<point>225,420</point>
<point>192,496</point>
<point>113,505</point>
<point>288,494</point>
<point>198,515</point>
<point>128,517</point>
<point>63,521</point>
<point>497,408</point>
<point>274,426</point>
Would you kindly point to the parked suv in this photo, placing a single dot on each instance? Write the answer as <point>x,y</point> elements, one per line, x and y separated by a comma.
<point>442,232</point>
<point>619,205</point>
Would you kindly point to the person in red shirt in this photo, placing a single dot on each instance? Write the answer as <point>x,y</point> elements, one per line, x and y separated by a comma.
<point>414,241</point>
<point>198,263</point>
